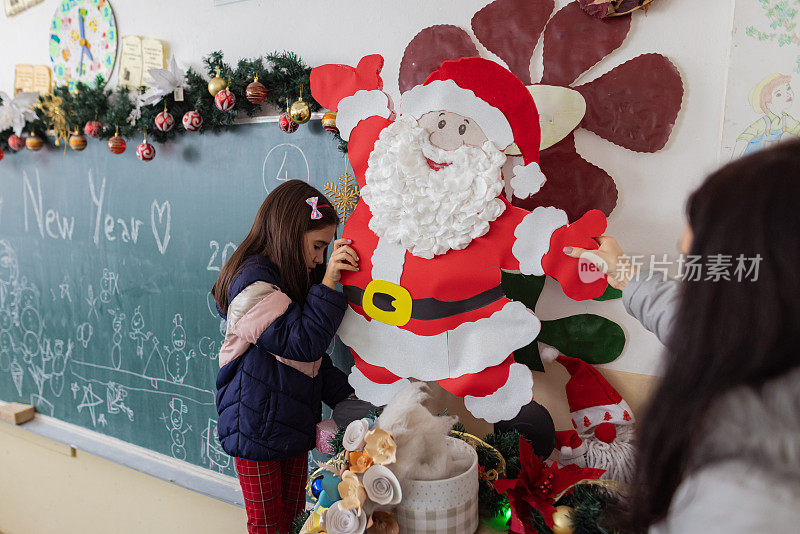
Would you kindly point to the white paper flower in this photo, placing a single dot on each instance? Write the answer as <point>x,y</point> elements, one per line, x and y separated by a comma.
<point>162,82</point>
<point>341,521</point>
<point>14,112</point>
<point>353,439</point>
<point>382,486</point>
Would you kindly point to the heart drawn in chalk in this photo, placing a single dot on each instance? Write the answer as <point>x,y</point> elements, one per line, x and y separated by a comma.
<point>163,223</point>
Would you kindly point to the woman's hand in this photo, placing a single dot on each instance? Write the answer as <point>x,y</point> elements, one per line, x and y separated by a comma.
<point>609,258</point>
<point>343,258</point>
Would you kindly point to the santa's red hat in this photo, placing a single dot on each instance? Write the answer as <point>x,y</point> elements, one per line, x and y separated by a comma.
<point>592,400</point>
<point>496,99</point>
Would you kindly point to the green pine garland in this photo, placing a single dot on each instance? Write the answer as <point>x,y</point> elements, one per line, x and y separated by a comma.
<point>284,74</point>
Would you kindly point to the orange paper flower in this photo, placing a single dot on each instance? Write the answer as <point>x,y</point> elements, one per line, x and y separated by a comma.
<point>381,446</point>
<point>360,461</point>
<point>352,492</point>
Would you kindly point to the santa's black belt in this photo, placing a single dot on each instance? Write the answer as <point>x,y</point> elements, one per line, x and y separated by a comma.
<point>392,304</point>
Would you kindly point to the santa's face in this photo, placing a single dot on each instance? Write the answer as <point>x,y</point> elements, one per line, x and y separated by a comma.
<point>450,131</point>
<point>427,198</point>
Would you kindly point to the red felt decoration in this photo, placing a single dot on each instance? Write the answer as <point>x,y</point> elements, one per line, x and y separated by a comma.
<point>573,184</point>
<point>429,49</point>
<point>539,484</point>
<point>331,83</point>
<point>606,432</point>
<point>511,29</point>
<point>566,269</point>
<point>635,105</point>
<point>574,42</point>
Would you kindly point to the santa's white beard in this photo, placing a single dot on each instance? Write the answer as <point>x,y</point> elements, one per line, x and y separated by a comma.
<point>430,212</point>
<point>616,458</point>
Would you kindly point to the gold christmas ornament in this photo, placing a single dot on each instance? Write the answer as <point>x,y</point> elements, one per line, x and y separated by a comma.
<point>562,520</point>
<point>300,112</point>
<point>51,107</point>
<point>216,84</point>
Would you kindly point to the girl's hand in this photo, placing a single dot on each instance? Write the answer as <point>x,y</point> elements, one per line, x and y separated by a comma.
<point>343,258</point>
<point>609,258</point>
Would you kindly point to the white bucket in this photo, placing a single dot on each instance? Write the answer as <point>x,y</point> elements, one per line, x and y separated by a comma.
<point>449,505</point>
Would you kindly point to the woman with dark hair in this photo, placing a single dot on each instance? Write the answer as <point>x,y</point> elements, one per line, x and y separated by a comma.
<point>279,298</point>
<point>719,445</point>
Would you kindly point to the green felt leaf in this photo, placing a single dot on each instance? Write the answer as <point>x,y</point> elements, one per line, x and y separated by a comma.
<point>526,289</point>
<point>591,338</point>
<point>611,293</point>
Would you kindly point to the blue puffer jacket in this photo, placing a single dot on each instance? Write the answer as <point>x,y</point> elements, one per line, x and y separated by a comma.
<point>274,371</point>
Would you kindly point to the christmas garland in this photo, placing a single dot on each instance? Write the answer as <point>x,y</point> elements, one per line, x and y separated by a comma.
<point>279,78</point>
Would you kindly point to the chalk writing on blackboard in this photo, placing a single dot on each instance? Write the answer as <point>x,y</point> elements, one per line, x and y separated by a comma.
<point>285,162</point>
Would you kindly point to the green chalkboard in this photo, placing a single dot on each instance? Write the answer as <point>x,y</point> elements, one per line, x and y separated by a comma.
<point>106,262</point>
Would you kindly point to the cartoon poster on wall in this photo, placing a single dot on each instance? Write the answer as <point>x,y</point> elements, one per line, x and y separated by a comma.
<point>760,107</point>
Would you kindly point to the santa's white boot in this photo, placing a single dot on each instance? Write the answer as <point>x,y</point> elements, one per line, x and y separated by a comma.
<point>372,392</point>
<point>506,402</point>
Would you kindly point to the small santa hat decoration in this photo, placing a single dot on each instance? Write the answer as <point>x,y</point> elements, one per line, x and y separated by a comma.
<point>497,100</point>
<point>593,402</point>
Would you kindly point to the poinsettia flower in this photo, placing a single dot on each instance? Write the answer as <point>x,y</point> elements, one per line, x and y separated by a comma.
<point>539,484</point>
<point>14,112</point>
<point>162,82</point>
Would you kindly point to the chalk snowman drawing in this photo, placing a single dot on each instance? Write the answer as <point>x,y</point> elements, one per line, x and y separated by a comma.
<point>176,426</point>
<point>109,286</point>
<point>211,450</point>
<point>177,357</point>
<point>116,338</point>
<point>115,400</point>
<point>136,333</point>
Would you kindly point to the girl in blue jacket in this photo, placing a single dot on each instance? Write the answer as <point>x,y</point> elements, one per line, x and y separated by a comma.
<point>282,309</point>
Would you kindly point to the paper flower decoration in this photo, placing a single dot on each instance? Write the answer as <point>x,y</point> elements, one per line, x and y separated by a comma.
<point>359,461</point>
<point>14,112</point>
<point>354,434</point>
<point>352,492</point>
<point>381,446</point>
<point>538,484</point>
<point>339,520</point>
<point>162,82</point>
<point>382,486</point>
<point>635,105</point>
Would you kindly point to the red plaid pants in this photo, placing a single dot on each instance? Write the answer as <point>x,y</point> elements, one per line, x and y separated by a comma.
<point>274,492</point>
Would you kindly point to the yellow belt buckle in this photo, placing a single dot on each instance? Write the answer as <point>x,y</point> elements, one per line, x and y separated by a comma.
<point>402,303</point>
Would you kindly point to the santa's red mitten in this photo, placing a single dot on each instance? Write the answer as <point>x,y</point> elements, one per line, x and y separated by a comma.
<point>580,279</point>
<point>355,93</point>
<point>331,83</point>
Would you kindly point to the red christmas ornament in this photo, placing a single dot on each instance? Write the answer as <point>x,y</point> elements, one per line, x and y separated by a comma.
<point>16,142</point>
<point>117,144</point>
<point>225,100</point>
<point>2,154</point>
<point>165,121</point>
<point>256,92</point>
<point>34,143</point>
<point>93,128</point>
<point>192,121</point>
<point>145,151</point>
<point>286,123</point>
<point>77,142</point>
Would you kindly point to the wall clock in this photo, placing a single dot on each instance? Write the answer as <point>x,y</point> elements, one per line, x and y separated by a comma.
<point>83,41</point>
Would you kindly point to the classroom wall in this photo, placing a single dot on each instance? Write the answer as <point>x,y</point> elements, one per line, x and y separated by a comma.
<point>648,219</point>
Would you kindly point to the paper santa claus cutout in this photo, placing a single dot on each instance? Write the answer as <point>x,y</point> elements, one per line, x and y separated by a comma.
<point>433,232</point>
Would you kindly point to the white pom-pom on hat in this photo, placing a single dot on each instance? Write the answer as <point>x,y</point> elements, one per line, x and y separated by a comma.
<point>527,180</point>
<point>548,353</point>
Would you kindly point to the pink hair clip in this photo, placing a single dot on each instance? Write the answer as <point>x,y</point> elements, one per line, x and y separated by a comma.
<point>315,213</point>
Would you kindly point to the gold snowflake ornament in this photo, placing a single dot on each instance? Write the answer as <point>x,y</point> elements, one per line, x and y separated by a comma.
<point>344,195</point>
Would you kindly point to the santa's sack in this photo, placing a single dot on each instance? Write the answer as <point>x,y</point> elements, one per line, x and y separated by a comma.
<point>448,505</point>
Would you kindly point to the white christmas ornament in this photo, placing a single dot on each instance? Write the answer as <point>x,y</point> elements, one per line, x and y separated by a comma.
<point>163,82</point>
<point>15,112</point>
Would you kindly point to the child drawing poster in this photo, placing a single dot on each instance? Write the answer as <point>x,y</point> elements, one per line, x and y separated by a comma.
<point>764,71</point>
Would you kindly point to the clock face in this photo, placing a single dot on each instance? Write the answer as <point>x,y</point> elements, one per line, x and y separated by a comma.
<point>83,41</point>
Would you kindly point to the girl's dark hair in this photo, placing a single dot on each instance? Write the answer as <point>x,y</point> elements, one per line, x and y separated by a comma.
<point>727,333</point>
<point>278,233</point>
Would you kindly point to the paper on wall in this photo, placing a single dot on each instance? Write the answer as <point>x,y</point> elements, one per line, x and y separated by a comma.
<point>138,56</point>
<point>32,78</point>
<point>14,7</point>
